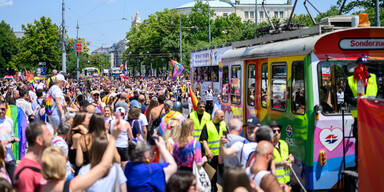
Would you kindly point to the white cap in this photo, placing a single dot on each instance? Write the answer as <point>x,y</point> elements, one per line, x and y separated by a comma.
<point>120,109</point>
<point>60,77</point>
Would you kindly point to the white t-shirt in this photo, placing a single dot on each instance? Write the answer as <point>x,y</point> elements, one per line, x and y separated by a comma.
<point>143,120</point>
<point>248,149</point>
<point>25,106</point>
<point>6,132</point>
<point>56,92</point>
<point>106,183</point>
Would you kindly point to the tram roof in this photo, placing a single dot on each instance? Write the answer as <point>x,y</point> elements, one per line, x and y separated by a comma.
<point>291,47</point>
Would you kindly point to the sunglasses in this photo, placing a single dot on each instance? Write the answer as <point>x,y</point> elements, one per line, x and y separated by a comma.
<point>276,131</point>
<point>3,109</point>
<point>96,95</point>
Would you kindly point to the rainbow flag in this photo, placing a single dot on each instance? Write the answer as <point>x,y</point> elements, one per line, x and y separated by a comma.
<point>20,124</point>
<point>193,98</point>
<point>170,115</point>
<point>220,66</point>
<point>177,69</point>
<point>98,70</point>
<point>122,67</point>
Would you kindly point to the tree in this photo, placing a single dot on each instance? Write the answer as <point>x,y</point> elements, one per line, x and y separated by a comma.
<point>8,46</point>
<point>39,44</point>
<point>99,61</point>
<point>365,6</point>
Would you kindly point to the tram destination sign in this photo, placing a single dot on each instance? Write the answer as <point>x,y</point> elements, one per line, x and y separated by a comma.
<point>359,44</point>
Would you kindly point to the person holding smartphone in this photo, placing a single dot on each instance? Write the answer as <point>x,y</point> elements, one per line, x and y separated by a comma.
<point>125,134</point>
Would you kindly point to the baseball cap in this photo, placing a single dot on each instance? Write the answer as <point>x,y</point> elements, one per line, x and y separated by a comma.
<point>136,104</point>
<point>253,122</point>
<point>122,104</point>
<point>60,77</point>
<point>120,109</point>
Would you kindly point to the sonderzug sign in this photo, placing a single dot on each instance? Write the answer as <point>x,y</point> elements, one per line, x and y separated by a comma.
<point>352,44</point>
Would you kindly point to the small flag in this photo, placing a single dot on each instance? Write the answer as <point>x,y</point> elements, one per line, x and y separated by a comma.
<point>193,98</point>
<point>177,69</point>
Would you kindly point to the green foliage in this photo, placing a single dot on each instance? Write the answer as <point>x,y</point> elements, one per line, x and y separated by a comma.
<point>40,44</point>
<point>71,55</point>
<point>360,4</point>
<point>157,39</point>
<point>99,61</point>
<point>8,46</point>
<point>364,6</point>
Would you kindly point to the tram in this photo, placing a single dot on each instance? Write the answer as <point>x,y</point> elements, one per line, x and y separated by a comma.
<point>298,79</point>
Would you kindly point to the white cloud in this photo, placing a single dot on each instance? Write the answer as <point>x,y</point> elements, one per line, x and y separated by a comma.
<point>6,2</point>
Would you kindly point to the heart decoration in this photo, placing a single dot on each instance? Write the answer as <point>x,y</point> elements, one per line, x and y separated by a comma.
<point>331,138</point>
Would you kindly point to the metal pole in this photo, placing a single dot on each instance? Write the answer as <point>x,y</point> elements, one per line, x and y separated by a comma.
<point>377,14</point>
<point>209,23</point>
<point>256,15</point>
<point>63,55</point>
<point>77,53</point>
<point>181,43</point>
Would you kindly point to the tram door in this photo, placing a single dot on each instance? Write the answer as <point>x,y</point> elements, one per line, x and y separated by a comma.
<point>250,89</point>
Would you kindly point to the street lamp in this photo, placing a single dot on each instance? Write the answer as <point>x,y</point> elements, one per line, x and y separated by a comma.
<point>209,23</point>
<point>256,12</point>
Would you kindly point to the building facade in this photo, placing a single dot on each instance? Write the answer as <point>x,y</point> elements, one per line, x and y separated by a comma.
<point>246,9</point>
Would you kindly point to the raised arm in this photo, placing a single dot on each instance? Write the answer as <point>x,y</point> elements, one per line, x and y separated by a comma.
<point>172,167</point>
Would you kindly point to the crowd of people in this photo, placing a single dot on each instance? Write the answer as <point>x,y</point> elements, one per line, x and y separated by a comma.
<point>134,134</point>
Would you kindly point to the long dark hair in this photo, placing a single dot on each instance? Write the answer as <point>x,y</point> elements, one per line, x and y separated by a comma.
<point>97,125</point>
<point>77,120</point>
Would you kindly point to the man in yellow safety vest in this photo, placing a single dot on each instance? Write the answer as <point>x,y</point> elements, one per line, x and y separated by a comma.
<point>281,156</point>
<point>199,118</point>
<point>210,137</point>
<point>361,83</point>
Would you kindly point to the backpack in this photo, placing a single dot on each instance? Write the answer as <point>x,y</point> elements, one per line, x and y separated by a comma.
<point>35,169</point>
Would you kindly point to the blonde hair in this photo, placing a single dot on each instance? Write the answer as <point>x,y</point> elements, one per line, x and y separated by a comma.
<point>172,132</point>
<point>53,163</point>
<point>185,132</point>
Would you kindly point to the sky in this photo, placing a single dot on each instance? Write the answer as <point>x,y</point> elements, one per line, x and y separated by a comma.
<point>101,22</point>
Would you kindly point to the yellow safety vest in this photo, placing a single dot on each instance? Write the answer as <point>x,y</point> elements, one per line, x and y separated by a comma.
<point>214,137</point>
<point>281,173</point>
<point>199,126</point>
<point>371,89</point>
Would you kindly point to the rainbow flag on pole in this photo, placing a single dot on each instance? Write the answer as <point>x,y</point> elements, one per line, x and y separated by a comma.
<point>193,98</point>
<point>177,69</point>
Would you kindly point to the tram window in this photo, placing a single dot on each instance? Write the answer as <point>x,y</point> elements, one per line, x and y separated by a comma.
<point>214,73</point>
<point>333,81</point>
<point>278,86</point>
<point>225,90</point>
<point>236,85</point>
<point>264,84</point>
<point>251,85</point>
<point>298,87</point>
